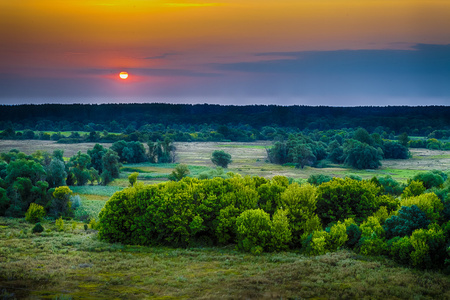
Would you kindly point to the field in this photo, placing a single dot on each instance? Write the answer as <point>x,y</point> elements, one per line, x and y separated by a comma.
<point>249,159</point>
<point>74,264</point>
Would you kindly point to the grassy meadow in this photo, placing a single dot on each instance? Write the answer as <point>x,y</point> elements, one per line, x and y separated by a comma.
<point>74,264</point>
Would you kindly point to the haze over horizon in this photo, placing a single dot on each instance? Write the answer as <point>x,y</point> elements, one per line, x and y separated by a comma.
<point>288,52</point>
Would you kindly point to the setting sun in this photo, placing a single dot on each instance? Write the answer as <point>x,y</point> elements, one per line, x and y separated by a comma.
<point>123,75</point>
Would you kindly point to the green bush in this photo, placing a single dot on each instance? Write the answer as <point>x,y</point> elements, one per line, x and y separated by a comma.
<point>408,219</point>
<point>253,231</point>
<point>37,228</point>
<point>300,204</point>
<point>59,223</point>
<point>429,203</point>
<point>280,231</point>
<point>347,198</point>
<point>35,213</point>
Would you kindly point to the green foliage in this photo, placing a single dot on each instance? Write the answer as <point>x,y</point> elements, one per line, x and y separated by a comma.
<point>361,155</point>
<point>319,179</point>
<point>111,166</point>
<point>394,150</point>
<point>130,152</point>
<point>221,158</point>
<point>96,154</point>
<point>61,204</point>
<point>59,223</point>
<point>414,188</point>
<point>161,152</point>
<point>179,173</point>
<point>408,219</point>
<point>400,249</point>
<point>253,231</point>
<point>35,213</point>
<point>300,205</point>
<point>280,231</point>
<point>78,165</point>
<point>429,203</point>
<point>37,228</point>
<point>431,179</point>
<point>390,185</point>
<point>429,247</point>
<point>94,224</point>
<point>56,173</point>
<point>372,245</point>
<point>354,235</point>
<point>4,201</point>
<point>347,198</point>
<point>132,178</point>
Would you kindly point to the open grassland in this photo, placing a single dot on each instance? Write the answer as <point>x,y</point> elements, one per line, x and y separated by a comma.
<point>30,146</point>
<point>248,159</point>
<point>75,264</point>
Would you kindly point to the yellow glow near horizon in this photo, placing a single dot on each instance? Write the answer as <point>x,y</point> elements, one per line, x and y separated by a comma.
<point>123,75</point>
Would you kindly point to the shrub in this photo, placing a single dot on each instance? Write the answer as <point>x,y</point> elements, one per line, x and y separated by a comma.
<point>347,198</point>
<point>37,228</point>
<point>431,178</point>
<point>429,203</point>
<point>300,204</point>
<point>253,231</point>
<point>132,178</point>
<point>400,249</point>
<point>408,219</point>
<point>179,173</point>
<point>59,223</point>
<point>75,201</point>
<point>94,224</point>
<point>372,245</point>
<point>280,231</point>
<point>61,204</point>
<point>414,188</point>
<point>354,235</point>
<point>336,237</point>
<point>319,179</point>
<point>429,247</point>
<point>35,213</point>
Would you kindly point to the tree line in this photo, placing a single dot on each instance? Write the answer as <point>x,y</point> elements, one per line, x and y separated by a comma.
<point>417,121</point>
<point>358,149</point>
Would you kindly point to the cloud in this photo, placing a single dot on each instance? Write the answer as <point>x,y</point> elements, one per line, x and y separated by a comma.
<point>422,71</point>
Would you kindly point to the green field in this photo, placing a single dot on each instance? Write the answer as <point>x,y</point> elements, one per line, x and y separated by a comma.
<point>74,264</point>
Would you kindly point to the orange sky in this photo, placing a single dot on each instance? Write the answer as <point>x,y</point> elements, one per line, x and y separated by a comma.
<point>56,37</point>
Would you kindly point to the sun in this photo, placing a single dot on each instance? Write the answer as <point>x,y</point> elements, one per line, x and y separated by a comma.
<point>123,75</point>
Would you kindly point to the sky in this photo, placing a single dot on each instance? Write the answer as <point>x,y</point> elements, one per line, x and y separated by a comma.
<point>285,52</point>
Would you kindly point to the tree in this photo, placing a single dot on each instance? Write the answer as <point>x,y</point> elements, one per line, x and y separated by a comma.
<point>61,204</point>
<point>302,155</point>
<point>179,173</point>
<point>403,139</point>
<point>132,178</point>
<point>79,166</point>
<point>111,167</point>
<point>361,155</point>
<point>56,173</point>
<point>96,155</point>
<point>221,158</point>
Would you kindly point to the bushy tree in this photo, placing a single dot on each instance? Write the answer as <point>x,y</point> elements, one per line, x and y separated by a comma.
<point>253,231</point>
<point>179,173</point>
<point>56,173</point>
<point>96,154</point>
<point>394,150</point>
<point>111,166</point>
<point>61,205</point>
<point>430,179</point>
<point>340,199</point>
<point>408,219</point>
<point>221,158</point>
<point>361,155</point>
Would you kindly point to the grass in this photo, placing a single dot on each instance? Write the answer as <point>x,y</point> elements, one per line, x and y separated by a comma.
<point>98,190</point>
<point>74,263</point>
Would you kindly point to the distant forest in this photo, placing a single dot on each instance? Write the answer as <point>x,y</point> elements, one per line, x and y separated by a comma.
<point>118,117</point>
